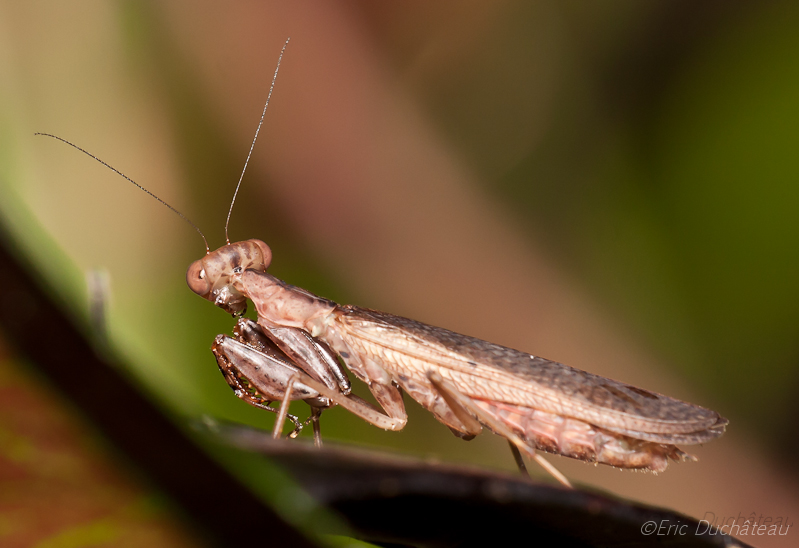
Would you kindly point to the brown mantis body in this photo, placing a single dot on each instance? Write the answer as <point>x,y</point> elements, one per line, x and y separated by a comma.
<point>465,382</point>
<point>297,348</point>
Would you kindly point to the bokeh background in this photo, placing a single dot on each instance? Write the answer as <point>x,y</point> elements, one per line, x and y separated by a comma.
<point>613,185</point>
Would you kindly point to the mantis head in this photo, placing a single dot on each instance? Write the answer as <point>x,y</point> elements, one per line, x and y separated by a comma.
<point>212,276</point>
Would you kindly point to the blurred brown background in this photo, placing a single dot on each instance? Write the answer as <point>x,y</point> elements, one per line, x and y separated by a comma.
<point>611,185</point>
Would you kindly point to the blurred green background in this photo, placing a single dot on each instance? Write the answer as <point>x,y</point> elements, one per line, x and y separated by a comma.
<point>613,185</point>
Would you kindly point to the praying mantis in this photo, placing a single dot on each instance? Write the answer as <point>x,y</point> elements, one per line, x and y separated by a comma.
<point>302,346</point>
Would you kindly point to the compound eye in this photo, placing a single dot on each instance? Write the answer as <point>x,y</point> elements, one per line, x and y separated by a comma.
<point>197,279</point>
<point>265,252</point>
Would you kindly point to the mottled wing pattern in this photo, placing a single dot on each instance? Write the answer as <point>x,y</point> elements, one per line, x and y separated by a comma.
<point>490,371</point>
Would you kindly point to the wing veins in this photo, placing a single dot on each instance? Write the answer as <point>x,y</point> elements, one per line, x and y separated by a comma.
<point>403,335</point>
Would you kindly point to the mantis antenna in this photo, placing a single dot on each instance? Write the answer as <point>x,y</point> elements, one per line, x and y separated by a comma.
<point>257,131</point>
<point>115,170</point>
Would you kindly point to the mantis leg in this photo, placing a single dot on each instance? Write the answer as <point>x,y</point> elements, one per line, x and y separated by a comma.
<point>258,377</point>
<point>316,412</point>
<point>318,362</point>
<point>457,399</point>
<point>308,354</point>
<point>395,420</point>
<point>284,408</point>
